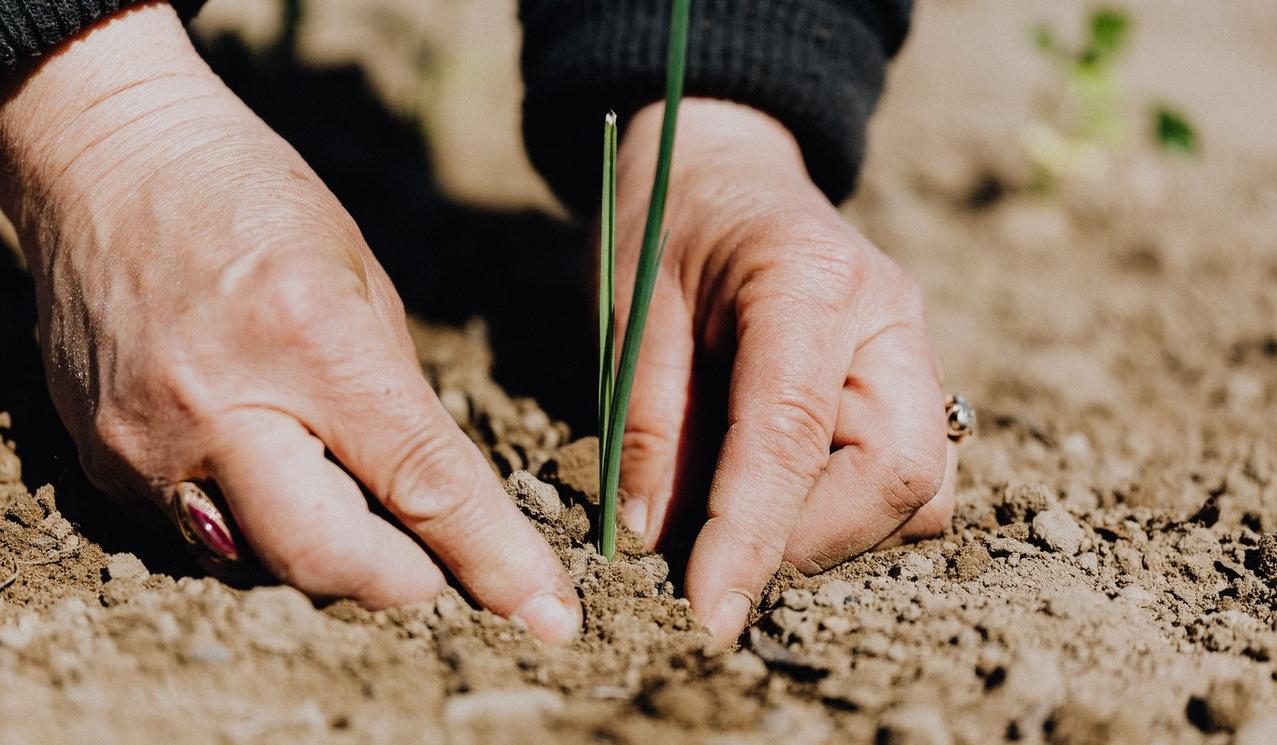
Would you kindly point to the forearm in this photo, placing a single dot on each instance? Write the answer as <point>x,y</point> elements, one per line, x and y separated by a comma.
<point>74,106</point>
<point>124,111</point>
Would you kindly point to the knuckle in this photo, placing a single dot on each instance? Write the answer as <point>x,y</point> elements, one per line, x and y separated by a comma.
<point>911,480</point>
<point>295,307</point>
<point>820,274</point>
<point>795,432</point>
<point>428,482</point>
<point>643,443</point>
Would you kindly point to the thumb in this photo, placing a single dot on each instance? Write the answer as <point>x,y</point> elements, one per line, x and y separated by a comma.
<point>655,429</point>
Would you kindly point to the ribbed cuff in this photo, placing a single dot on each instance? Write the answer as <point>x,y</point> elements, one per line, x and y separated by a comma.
<point>30,28</point>
<point>817,66</point>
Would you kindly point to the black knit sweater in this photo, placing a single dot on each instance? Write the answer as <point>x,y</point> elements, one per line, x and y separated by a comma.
<point>815,65</point>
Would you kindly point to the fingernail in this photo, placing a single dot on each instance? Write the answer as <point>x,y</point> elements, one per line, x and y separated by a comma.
<point>552,618</point>
<point>729,616</point>
<point>634,514</point>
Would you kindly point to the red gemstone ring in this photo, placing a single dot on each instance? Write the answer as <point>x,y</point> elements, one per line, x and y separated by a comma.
<point>202,523</point>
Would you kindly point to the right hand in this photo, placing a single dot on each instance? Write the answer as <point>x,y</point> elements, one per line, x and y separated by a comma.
<point>209,311</point>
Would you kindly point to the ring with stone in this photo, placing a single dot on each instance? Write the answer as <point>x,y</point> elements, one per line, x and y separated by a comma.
<point>203,524</point>
<point>960,417</point>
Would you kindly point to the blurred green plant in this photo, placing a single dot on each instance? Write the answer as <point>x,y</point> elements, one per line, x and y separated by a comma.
<point>616,381</point>
<point>1086,123</point>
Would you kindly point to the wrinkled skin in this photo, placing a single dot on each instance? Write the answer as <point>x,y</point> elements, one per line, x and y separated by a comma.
<point>827,350</point>
<point>209,311</point>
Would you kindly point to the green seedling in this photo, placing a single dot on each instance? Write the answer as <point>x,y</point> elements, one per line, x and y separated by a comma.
<point>616,381</point>
<point>1086,123</point>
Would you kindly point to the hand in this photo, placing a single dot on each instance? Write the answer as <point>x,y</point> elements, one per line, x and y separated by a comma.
<point>834,438</point>
<point>209,311</point>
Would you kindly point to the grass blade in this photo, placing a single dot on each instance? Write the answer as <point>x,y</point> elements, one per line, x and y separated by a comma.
<point>645,281</point>
<point>607,289</point>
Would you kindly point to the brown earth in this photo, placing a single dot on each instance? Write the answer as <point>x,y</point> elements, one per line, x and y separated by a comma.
<point>1111,574</point>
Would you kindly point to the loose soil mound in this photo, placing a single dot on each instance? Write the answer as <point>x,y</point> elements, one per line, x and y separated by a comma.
<point>1111,575</point>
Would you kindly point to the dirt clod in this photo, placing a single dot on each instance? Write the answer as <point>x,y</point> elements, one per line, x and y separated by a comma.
<point>1056,530</point>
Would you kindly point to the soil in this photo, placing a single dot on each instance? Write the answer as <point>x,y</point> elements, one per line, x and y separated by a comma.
<point>1110,575</point>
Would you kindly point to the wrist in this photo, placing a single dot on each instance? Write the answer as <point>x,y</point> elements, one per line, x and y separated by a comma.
<point>730,161</point>
<point>715,137</point>
<point>94,103</point>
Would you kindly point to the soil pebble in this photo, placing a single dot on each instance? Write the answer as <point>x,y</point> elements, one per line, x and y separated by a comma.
<point>278,619</point>
<point>10,466</point>
<point>1056,530</point>
<point>970,561</point>
<point>536,497</point>
<point>512,705</point>
<point>127,566</point>
<point>834,594</point>
<point>915,724</point>
<point>1225,707</point>
<point>1020,502</point>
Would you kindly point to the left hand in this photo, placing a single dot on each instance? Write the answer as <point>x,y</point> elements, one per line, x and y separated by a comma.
<point>835,438</point>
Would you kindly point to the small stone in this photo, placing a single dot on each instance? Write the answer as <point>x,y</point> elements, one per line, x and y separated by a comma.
<point>746,666</point>
<point>1056,530</point>
<point>1076,447</point>
<point>834,593</point>
<point>1034,687</point>
<point>513,705</point>
<point>971,561</point>
<point>1089,561</point>
<point>787,620</point>
<point>913,724</point>
<point>874,645</point>
<point>535,420</point>
<point>279,619</point>
<point>71,611</point>
<point>58,526</point>
<point>10,466</point>
<point>119,591</point>
<point>1244,392</point>
<point>1225,707</point>
<point>1130,559</point>
<point>836,625</point>
<point>1020,502</point>
<point>1137,595</point>
<point>207,652</point>
<point>534,496</point>
<point>796,599</point>
<point>126,566</point>
<point>166,627</point>
<point>914,566</point>
<point>456,403</point>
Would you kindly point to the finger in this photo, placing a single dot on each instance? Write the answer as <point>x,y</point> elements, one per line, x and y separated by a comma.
<point>656,436</point>
<point>308,521</point>
<point>892,455</point>
<point>386,425</point>
<point>782,407</point>
<point>934,517</point>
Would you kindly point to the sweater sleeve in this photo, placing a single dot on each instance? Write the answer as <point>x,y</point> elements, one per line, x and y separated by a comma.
<point>817,66</point>
<point>30,28</point>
